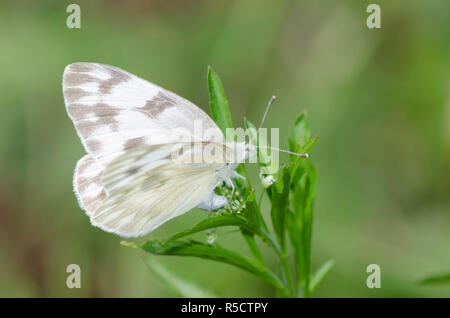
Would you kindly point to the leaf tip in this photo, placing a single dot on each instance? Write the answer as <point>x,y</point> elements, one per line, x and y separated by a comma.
<point>128,244</point>
<point>210,70</point>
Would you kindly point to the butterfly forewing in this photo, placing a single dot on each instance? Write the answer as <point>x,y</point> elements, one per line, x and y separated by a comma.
<point>114,111</point>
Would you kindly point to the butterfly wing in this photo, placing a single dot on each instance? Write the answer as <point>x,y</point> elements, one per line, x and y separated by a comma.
<point>87,183</point>
<point>114,111</point>
<point>150,185</point>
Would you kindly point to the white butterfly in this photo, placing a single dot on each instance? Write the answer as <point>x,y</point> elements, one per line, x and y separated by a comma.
<point>134,177</point>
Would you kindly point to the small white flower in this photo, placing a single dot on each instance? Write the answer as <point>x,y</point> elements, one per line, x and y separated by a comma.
<point>211,236</point>
<point>267,181</point>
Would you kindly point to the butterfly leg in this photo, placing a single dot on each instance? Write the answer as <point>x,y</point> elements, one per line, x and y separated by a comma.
<point>230,183</point>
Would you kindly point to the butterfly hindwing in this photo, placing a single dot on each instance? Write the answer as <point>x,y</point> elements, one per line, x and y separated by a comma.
<point>155,190</point>
<point>87,184</point>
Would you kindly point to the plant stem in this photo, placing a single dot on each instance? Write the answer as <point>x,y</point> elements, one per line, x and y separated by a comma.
<point>250,239</point>
<point>284,260</point>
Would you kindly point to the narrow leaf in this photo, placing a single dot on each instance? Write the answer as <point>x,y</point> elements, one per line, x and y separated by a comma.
<point>302,182</point>
<point>218,102</point>
<point>253,213</point>
<point>215,222</point>
<point>320,274</point>
<point>176,282</point>
<point>441,279</point>
<point>300,133</point>
<point>222,116</point>
<point>215,253</point>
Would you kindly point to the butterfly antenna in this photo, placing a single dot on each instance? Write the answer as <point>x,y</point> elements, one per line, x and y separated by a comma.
<point>304,155</point>
<point>271,100</point>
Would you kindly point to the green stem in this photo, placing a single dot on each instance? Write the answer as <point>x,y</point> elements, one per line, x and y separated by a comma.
<point>283,259</point>
<point>287,272</point>
<point>250,239</point>
<point>271,241</point>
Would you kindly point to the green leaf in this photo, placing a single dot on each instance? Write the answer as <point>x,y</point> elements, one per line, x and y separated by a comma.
<point>222,116</point>
<point>441,279</point>
<point>309,145</point>
<point>214,222</point>
<point>320,274</point>
<point>176,282</point>
<point>300,133</point>
<point>302,182</point>
<point>253,213</point>
<point>211,252</point>
<point>300,222</point>
<point>279,195</point>
<point>218,102</point>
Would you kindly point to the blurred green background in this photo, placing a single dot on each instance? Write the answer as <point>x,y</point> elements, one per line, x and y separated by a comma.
<point>378,99</point>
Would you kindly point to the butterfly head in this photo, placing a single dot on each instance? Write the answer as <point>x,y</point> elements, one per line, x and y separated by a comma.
<point>240,152</point>
<point>244,152</point>
<point>250,151</point>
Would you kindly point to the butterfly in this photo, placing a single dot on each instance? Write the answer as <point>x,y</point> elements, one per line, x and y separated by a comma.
<point>134,177</point>
<point>151,154</point>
